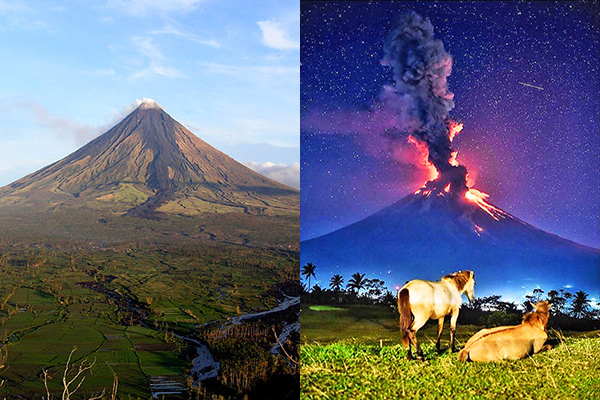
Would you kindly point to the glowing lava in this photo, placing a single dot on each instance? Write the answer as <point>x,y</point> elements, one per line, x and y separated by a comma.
<point>436,180</point>
<point>454,129</point>
<point>424,161</point>
<point>477,197</point>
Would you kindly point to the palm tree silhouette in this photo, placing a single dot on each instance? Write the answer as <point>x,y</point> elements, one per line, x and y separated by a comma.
<point>309,270</point>
<point>357,282</point>
<point>581,304</point>
<point>336,283</point>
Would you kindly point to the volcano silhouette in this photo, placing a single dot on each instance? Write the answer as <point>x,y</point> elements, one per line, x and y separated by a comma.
<point>150,175</point>
<point>425,236</point>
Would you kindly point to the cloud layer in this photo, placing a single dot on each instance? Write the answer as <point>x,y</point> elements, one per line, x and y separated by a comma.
<point>286,174</point>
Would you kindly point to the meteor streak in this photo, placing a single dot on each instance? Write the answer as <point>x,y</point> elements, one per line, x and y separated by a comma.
<point>527,84</point>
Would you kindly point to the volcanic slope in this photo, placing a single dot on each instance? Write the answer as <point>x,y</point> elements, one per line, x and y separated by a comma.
<point>426,235</point>
<point>150,178</point>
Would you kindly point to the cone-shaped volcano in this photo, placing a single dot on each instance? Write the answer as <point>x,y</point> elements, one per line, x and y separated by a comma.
<point>151,167</point>
<point>427,235</point>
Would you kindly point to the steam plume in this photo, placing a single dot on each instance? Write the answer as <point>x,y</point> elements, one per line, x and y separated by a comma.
<point>421,67</point>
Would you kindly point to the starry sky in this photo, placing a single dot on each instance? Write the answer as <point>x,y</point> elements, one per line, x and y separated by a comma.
<point>228,70</point>
<point>534,150</point>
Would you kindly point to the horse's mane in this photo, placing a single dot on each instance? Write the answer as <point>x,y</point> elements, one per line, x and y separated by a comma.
<point>459,278</point>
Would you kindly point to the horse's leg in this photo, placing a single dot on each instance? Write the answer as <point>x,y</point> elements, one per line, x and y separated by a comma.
<point>409,355</point>
<point>453,320</point>
<point>416,325</point>
<point>440,329</point>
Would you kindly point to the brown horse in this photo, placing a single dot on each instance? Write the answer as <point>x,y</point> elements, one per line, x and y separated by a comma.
<point>419,301</point>
<point>510,342</point>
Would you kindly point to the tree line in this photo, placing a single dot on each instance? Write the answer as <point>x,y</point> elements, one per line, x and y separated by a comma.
<point>358,289</point>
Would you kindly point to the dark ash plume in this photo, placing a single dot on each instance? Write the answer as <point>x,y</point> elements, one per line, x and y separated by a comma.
<point>421,67</point>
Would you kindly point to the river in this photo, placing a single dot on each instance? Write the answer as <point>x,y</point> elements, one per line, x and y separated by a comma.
<point>205,366</point>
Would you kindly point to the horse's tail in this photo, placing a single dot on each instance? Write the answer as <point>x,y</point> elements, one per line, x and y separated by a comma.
<point>463,355</point>
<point>405,317</point>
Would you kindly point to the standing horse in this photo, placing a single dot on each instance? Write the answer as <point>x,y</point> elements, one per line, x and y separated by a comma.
<point>432,300</point>
<point>510,342</point>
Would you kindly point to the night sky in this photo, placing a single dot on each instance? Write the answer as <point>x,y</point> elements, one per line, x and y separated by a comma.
<point>536,152</point>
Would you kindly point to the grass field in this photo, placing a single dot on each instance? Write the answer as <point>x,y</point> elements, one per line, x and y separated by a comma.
<point>355,353</point>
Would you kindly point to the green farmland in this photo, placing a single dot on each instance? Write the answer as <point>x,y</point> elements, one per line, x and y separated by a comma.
<point>129,327</point>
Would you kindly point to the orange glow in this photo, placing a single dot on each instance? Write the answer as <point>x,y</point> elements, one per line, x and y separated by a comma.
<point>471,178</point>
<point>424,192</point>
<point>478,197</point>
<point>424,161</point>
<point>447,188</point>
<point>452,161</point>
<point>478,230</point>
<point>474,195</point>
<point>454,129</point>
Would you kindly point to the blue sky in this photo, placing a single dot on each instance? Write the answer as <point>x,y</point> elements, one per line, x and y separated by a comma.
<point>227,70</point>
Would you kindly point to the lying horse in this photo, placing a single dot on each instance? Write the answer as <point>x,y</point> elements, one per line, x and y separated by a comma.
<point>432,300</point>
<point>510,342</point>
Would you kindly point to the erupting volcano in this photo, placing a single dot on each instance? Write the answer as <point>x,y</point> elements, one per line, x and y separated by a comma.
<point>445,225</point>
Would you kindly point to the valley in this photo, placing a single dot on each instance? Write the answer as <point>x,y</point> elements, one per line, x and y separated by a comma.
<point>126,310</point>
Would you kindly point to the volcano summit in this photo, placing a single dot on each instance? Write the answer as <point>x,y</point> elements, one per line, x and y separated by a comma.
<point>146,177</point>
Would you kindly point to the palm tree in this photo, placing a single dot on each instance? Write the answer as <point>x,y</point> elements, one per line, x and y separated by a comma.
<point>336,283</point>
<point>357,282</point>
<point>537,294</point>
<point>556,302</point>
<point>581,304</point>
<point>309,270</point>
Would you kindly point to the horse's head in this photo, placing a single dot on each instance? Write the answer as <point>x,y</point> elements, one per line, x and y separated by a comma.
<point>542,308</point>
<point>470,286</point>
<point>464,282</point>
<point>540,316</point>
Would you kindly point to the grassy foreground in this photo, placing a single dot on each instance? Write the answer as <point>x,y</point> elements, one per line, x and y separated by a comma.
<point>357,365</point>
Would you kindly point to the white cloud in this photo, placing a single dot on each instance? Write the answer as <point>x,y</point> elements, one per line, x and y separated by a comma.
<point>156,59</point>
<point>169,30</point>
<point>154,69</point>
<point>286,174</point>
<point>145,46</point>
<point>250,70</point>
<point>13,6</point>
<point>277,34</point>
<point>17,15</point>
<point>144,7</point>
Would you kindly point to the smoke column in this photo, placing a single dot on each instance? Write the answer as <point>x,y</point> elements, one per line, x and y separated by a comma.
<point>421,67</point>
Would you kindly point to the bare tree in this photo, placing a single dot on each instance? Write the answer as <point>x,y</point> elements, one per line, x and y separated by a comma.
<point>3,358</point>
<point>72,378</point>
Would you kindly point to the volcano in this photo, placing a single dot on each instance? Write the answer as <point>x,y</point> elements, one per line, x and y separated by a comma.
<point>428,234</point>
<point>446,225</point>
<point>150,177</point>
